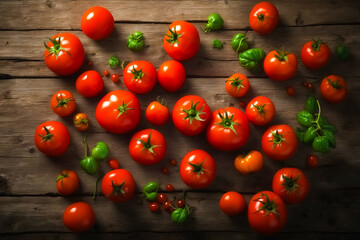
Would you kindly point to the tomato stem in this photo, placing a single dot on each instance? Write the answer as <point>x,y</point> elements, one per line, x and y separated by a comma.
<point>95,188</point>
<point>56,47</point>
<point>147,145</point>
<point>261,17</point>
<point>173,37</point>
<point>227,122</point>
<point>138,74</point>
<point>281,55</point>
<point>193,114</point>
<point>48,135</point>
<point>86,145</point>
<point>316,44</point>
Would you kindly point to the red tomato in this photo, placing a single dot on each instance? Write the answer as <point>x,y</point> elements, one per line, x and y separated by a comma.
<point>154,207</point>
<point>237,85</point>
<point>248,163</point>
<point>171,75</point>
<point>312,161</point>
<point>279,142</point>
<point>161,198</point>
<point>115,78</point>
<point>63,103</point>
<point>267,213</point>
<point>228,130</point>
<point>264,17</point>
<point>157,113</point>
<point>67,182</point>
<point>260,111</point>
<point>97,23</point>
<point>182,41</point>
<point>280,65</point>
<point>290,91</point>
<point>81,122</point>
<point>52,138</point>
<point>79,217</point>
<point>191,114</point>
<point>118,185</point>
<point>118,112</point>
<point>113,163</point>
<point>140,77</point>
<point>169,187</point>
<point>232,203</point>
<point>168,206</point>
<point>147,147</point>
<point>106,72</point>
<point>315,54</point>
<point>64,54</point>
<point>197,169</point>
<point>333,89</point>
<point>291,184</point>
<point>90,84</point>
<point>165,170</point>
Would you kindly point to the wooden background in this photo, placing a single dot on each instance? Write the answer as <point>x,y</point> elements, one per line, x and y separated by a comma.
<point>30,207</point>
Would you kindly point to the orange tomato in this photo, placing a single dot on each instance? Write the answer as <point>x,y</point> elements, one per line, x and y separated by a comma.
<point>247,163</point>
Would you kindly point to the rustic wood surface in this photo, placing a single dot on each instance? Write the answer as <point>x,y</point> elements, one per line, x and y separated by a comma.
<point>30,207</point>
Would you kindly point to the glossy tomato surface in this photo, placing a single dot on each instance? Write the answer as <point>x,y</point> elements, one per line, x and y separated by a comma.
<point>171,75</point>
<point>232,203</point>
<point>140,77</point>
<point>97,23</point>
<point>79,217</point>
<point>315,54</point>
<point>157,113</point>
<point>264,17</point>
<point>333,89</point>
<point>63,103</point>
<point>81,122</point>
<point>252,161</point>
<point>280,65</point>
<point>260,111</point>
<point>67,182</point>
<point>237,85</point>
<point>118,185</point>
<point>90,84</point>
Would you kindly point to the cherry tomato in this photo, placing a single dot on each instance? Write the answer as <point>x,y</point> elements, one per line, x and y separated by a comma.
<point>154,207</point>
<point>250,162</point>
<point>291,184</point>
<point>161,197</point>
<point>180,203</point>
<point>118,185</point>
<point>118,112</point>
<point>67,182</point>
<point>168,206</point>
<point>157,113</point>
<point>90,84</point>
<point>290,91</point>
<point>90,63</point>
<point>64,54</point>
<point>165,170</point>
<point>169,187</point>
<point>173,162</point>
<point>97,23</point>
<point>279,142</point>
<point>315,54</point>
<point>242,104</point>
<point>232,203</point>
<point>106,72</point>
<point>182,41</point>
<point>113,163</point>
<point>198,169</point>
<point>79,217</point>
<point>81,122</point>
<point>280,65</point>
<point>63,103</point>
<point>310,86</point>
<point>115,78</point>
<point>312,161</point>
<point>260,111</point>
<point>237,85</point>
<point>52,138</point>
<point>264,17</point>
<point>171,75</point>
<point>228,129</point>
<point>140,77</point>
<point>333,89</point>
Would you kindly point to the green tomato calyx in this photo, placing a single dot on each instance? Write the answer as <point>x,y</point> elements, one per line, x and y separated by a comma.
<point>316,44</point>
<point>138,74</point>
<point>56,48</point>
<point>278,138</point>
<point>117,189</point>
<point>114,62</point>
<point>173,37</point>
<point>63,101</point>
<point>147,145</point>
<point>268,206</point>
<point>236,83</point>
<point>124,108</point>
<point>193,114</point>
<point>290,184</point>
<point>227,122</point>
<point>261,17</point>
<point>260,109</point>
<point>281,55</point>
<point>48,136</point>
<point>62,176</point>
<point>335,84</point>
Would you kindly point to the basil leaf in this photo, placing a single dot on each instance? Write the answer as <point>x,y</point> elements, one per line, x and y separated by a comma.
<point>330,128</point>
<point>311,105</point>
<point>330,136</point>
<point>310,134</point>
<point>300,134</point>
<point>321,144</point>
<point>305,118</point>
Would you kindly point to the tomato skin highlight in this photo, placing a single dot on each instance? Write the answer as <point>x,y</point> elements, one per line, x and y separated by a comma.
<point>260,111</point>
<point>171,75</point>
<point>312,161</point>
<point>280,70</point>
<point>81,122</point>
<point>140,77</point>
<point>79,217</point>
<point>232,203</point>
<point>118,185</point>
<point>113,163</point>
<point>333,89</point>
<point>248,163</point>
<point>90,84</point>
<point>315,58</point>
<point>97,23</point>
<point>264,17</point>
<point>157,113</point>
<point>63,103</point>
<point>67,182</point>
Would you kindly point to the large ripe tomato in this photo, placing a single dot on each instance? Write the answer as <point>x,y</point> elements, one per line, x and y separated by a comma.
<point>237,85</point>
<point>291,184</point>
<point>182,41</point>
<point>280,65</point>
<point>171,75</point>
<point>232,203</point>
<point>118,185</point>
<point>79,217</point>
<point>52,138</point>
<point>264,17</point>
<point>197,169</point>
<point>333,89</point>
<point>118,112</point>
<point>279,142</point>
<point>157,113</point>
<point>191,114</point>
<point>97,23</point>
<point>260,111</point>
<point>315,54</point>
<point>63,103</point>
<point>147,147</point>
<point>267,212</point>
<point>64,54</point>
<point>228,130</point>
<point>140,77</point>
<point>250,162</point>
<point>90,84</point>
<point>67,182</point>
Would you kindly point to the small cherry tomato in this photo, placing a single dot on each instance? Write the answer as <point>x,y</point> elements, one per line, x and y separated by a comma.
<point>310,86</point>
<point>63,103</point>
<point>232,203</point>
<point>97,23</point>
<point>154,207</point>
<point>67,182</point>
<point>290,91</point>
<point>113,163</point>
<point>79,217</point>
<point>168,206</point>
<point>280,65</point>
<point>165,170</point>
<point>312,161</point>
<point>161,197</point>
<point>157,113</point>
<point>180,203</point>
<point>237,85</point>
<point>115,78</point>
<point>90,63</point>
<point>333,89</point>
<point>81,122</point>
<point>173,162</point>
<point>242,104</point>
<point>169,187</point>
<point>106,72</point>
<point>264,17</point>
<point>315,54</point>
<point>248,163</point>
<point>89,84</point>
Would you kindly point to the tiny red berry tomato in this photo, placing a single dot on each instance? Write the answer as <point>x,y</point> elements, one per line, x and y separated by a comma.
<point>290,91</point>
<point>291,184</point>
<point>242,104</point>
<point>171,75</point>
<point>97,23</point>
<point>81,122</point>
<point>280,65</point>
<point>167,206</point>
<point>169,187</point>
<point>333,89</point>
<point>264,17</point>
<point>106,72</point>
<point>279,142</point>
<point>140,77</point>
<point>165,170</point>
<point>237,85</point>
<point>315,54</point>
<point>90,63</point>
<point>312,161</point>
<point>113,163</point>
<point>115,78</point>
<point>52,138</point>
<point>182,41</point>
<point>90,84</point>
<point>173,162</point>
<point>154,207</point>
<point>147,147</point>
<point>161,198</point>
<point>118,185</point>
<point>67,182</point>
<point>232,203</point>
<point>63,103</point>
<point>79,217</point>
<point>180,203</point>
<point>260,111</point>
<point>157,113</point>
<point>310,86</point>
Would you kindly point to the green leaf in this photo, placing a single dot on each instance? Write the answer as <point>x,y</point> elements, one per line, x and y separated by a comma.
<point>329,127</point>
<point>311,105</point>
<point>310,134</point>
<point>180,214</point>
<point>321,144</point>
<point>305,118</point>
<point>300,134</point>
<point>330,136</point>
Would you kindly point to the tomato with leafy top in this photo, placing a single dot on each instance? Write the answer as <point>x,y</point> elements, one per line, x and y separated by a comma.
<point>63,103</point>
<point>333,89</point>
<point>315,54</point>
<point>232,203</point>
<point>97,23</point>
<point>280,65</point>
<point>90,84</point>
<point>67,182</point>
<point>157,113</point>
<point>237,85</point>
<point>264,17</point>
<point>118,185</point>
<point>81,122</point>
<point>171,75</point>
<point>79,217</point>
<point>260,111</point>
<point>252,161</point>
<point>140,77</point>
